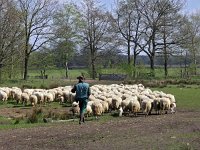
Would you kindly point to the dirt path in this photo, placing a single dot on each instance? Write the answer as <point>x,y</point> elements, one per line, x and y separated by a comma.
<point>178,131</point>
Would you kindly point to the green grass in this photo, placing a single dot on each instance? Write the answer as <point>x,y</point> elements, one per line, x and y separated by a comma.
<point>188,98</point>
<point>60,73</point>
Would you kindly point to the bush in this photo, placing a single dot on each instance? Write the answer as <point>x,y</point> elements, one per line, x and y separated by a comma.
<point>34,116</point>
<point>58,115</point>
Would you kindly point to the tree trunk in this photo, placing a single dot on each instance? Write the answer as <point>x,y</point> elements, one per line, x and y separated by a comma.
<point>129,52</point>
<point>134,64</point>
<point>26,67</point>
<point>195,64</point>
<point>66,70</point>
<point>185,64</point>
<point>152,66</point>
<point>165,55</point>
<point>93,70</point>
<point>11,69</point>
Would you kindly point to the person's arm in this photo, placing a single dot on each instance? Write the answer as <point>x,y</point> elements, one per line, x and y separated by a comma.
<point>74,89</point>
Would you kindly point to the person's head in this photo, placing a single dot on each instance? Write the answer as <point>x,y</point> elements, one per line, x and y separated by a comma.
<point>80,78</point>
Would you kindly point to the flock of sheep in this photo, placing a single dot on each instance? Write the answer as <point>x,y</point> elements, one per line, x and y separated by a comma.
<point>127,99</point>
<point>104,98</point>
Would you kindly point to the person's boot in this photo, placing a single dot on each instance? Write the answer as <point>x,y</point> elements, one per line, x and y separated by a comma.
<point>80,120</point>
<point>83,119</point>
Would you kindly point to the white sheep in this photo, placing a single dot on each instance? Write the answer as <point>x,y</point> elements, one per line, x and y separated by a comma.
<point>88,110</point>
<point>3,96</point>
<point>105,106</point>
<point>48,97</point>
<point>61,99</point>
<point>33,100</point>
<point>156,105</point>
<point>134,107</point>
<point>97,109</point>
<point>17,96</point>
<point>125,104</point>
<point>75,108</point>
<point>40,97</point>
<point>164,105</point>
<point>116,102</point>
<point>120,111</point>
<point>146,106</point>
<point>173,107</point>
<point>24,98</point>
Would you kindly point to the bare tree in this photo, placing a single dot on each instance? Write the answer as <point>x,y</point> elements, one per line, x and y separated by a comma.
<point>65,24</point>
<point>172,22</point>
<point>95,31</point>
<point>9,30</point>
<point>36,20</point>
<point>193,28</point>
<point>155,18</point>
<point>129,25</point>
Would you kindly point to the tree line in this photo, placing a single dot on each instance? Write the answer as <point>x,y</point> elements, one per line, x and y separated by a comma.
<point>46,33</point>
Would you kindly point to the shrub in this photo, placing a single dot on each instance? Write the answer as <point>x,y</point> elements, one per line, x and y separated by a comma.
<point>34,116</point>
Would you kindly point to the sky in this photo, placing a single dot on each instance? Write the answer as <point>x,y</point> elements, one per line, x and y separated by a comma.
<point>190,5</point>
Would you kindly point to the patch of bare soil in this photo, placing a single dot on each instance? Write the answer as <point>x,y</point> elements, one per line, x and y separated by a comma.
<point>163,132</point>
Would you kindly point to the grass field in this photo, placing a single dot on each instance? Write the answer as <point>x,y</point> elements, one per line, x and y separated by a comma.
<point>178,131</point>
<point>187,98</point>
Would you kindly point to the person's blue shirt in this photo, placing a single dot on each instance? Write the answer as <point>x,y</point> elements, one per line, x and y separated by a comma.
<point>82,90</point>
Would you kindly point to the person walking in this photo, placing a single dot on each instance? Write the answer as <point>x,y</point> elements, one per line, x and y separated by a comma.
<point>82,90</point>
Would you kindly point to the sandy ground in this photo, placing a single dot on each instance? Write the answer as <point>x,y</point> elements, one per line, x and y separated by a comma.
<point>155,132</point>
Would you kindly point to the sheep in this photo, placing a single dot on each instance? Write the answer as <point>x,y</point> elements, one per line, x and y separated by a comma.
<point>173,107</point>
<point>66,95</point>
<point>61,99</point>
<point>134,107</point>
<point>97,109</point>
<point>3,96</point>
<point>6,90</point>
<point>33,99</point>
<point>171,98</point>
<point>40,97</point>
<point>103,98</point>
<point>48,97</point>
<point>24,98</point>
<point>164,105</point>
<point>156,105</point>
<point>146,106</point>
<point>92,98</point>
<point>17,97</point>
<point>124,104</point>
<point>109,101</point>
<point>88,110</point>
<point>28,91</point>
<point>116,102</point>
<point>72,97</point>
<point>75,109</point>
<point>105,106</point>
<point>120,111</point>
<point>53,92</point>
